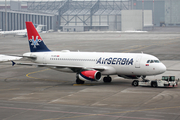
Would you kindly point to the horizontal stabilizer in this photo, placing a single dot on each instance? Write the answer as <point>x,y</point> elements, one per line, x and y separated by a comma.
<point>13,63</point>
<point>23,56</point>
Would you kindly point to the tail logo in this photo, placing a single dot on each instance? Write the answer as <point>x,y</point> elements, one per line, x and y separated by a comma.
<point>35,42</point>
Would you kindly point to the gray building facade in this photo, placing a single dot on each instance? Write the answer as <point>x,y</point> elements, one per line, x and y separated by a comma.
<point>16,20</point>
<point>164,11</point>
<point>102,15</point>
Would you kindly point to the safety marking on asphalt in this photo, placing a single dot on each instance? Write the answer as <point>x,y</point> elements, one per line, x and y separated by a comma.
<point>83,84</point>
<point>113,114</point>
<point>81,114</point>
<point>9,89</point>
<point>27,75</point>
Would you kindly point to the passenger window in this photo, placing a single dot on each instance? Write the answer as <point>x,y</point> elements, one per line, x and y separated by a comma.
<point>148,61</point>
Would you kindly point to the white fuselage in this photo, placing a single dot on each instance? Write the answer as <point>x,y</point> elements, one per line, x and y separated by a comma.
<point>112,63</point>
<point>20,32</point>
<point>15,32</point>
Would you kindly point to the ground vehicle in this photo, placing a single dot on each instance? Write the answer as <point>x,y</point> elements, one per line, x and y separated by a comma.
<point>166,81</point>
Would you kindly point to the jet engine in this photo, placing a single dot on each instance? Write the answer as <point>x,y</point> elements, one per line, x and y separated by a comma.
<point>130,76</point>
<point>89,75</point>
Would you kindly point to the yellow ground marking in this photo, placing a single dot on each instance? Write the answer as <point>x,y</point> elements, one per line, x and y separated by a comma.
<point>115,113</point>
<point>27,75</point>
<point>44,87</point>
<point>83,84</point>
<point>9,89</point>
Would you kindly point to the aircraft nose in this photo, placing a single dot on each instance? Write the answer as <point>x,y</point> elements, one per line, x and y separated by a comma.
<point>162,68</point>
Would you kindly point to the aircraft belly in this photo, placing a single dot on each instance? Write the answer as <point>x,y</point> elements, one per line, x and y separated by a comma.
<point>63,69</point>
<point>108,72</point>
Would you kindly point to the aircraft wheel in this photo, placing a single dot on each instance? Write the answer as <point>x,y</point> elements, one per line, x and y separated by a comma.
<point>107,79</point>
<point>135,83</point>
<point>78,81</point>
<point>154,84</point>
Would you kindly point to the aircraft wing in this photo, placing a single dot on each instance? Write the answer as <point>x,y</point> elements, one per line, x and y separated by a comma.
<point>5,58</point>
<point>73,68</point>
<point>21,56</point>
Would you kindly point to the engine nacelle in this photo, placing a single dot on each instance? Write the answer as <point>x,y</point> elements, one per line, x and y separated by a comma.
<point>130,76</point>
<point>89,75</point>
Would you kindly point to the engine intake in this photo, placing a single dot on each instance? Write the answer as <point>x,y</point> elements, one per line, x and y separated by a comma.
<point>89,75</point>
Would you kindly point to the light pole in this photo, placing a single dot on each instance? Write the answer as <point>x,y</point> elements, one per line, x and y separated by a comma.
<point>142,15</point>
<point>153,14</point>
<point>132,4</point>
<point>5,15</point>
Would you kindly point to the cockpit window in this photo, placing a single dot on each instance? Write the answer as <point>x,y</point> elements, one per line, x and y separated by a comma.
<point>156,61</point>
<point>152,61</point>
<point>148,61</point>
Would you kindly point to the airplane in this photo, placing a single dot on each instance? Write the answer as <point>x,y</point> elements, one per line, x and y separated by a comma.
<point>90,66</point>
<point>20,32</point>
<point>6,58</point>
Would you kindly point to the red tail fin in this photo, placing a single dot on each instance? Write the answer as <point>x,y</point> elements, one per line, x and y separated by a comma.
<point>31,31</point>
<point>36,43</point>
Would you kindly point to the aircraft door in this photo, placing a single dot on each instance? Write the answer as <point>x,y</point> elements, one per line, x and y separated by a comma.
<point>44,58</point>
<point>138,60</point>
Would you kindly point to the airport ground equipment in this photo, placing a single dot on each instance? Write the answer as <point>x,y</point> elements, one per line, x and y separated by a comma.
<point>166,81</point>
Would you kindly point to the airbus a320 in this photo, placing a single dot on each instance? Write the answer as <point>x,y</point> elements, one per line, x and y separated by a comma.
<point>90,66</point>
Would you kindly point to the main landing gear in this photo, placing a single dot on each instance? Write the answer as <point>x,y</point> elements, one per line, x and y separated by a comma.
<point>107,79</point>
<point>78,81</point>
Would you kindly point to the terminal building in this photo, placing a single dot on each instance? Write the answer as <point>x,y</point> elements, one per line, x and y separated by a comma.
<point>91,15</point>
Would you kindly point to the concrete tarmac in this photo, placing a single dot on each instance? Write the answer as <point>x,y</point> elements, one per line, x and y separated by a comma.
<point>30,93</point>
